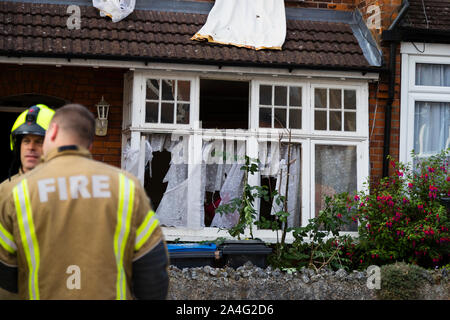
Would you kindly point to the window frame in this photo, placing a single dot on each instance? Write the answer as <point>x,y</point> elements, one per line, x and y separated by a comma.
<point>362,171</point>
<point>306,136</point>
<point>193,112</point>
<point>284,83</point>
<point>360,116</point>
<point>410,92</point>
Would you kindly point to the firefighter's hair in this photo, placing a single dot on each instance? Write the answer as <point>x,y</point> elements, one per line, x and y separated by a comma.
<point>78,121</point>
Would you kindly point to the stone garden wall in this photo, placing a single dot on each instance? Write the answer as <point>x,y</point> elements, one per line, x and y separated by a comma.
<point>253,283</point>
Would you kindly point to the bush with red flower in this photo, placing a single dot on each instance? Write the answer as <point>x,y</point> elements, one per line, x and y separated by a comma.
<point>400,218</point>
<point>403,217</point>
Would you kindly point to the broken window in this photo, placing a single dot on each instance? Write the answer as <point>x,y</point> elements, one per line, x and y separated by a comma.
<point>166,179</point>
<point>199,131</point>
<point>222,179</point>
<point>281,171</point>
<point>224,104</point>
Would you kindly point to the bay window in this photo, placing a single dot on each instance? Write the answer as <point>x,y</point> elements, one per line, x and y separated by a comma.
<point>189,133</point>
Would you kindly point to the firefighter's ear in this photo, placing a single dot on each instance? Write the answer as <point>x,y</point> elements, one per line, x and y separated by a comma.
<point>53,131</point>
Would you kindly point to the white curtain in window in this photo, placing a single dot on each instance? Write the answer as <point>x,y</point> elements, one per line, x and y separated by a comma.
<point>433,74</point>
<point>131,157</point>
<point>432,119</point>
<point>172,210</point>
<point>431,127</point>
<point>226,177</point>
<point>293,194</point>
<point>269,156</point>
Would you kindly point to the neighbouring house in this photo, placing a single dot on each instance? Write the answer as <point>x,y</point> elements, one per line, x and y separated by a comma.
<point>421,40</point>
<point>183,113</point>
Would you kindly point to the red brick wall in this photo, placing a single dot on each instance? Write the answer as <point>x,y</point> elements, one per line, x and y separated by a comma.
<point>346,5</point>
<point>378,96</point>
<point>79,85</point>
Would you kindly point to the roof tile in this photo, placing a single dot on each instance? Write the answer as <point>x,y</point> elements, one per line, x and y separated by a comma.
<point>428,14</point>
<point>155,35</point>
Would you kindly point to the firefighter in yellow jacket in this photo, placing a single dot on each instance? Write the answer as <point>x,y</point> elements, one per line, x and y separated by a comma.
<point>27,136</point>
<point>75,228</point>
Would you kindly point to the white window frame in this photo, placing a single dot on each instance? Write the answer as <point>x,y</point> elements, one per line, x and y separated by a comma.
<point>361,169</point>
<point>410,92</point>
<point>283,83</point>
<point>306,136</point>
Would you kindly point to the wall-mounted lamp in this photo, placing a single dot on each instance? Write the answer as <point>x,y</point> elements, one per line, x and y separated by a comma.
<point>101,123</point>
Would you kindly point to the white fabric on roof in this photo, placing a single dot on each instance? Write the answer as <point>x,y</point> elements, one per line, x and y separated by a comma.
<point>256,24</point>
<point>115,9</point>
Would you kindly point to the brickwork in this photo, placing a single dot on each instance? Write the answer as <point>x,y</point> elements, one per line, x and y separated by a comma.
<point>79,85</point>
<point>346,5</point>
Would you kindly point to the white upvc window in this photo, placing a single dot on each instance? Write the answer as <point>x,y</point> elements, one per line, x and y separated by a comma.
<point>188,167</point>
<point>425,100</point>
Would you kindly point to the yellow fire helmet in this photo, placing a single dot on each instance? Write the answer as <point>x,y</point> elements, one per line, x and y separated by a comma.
<point>35,120</point>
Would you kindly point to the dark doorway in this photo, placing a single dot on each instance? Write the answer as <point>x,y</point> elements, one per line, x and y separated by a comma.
<point>224,104</point>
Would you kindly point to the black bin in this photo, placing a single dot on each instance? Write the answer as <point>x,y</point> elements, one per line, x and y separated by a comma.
<point>236,253</point>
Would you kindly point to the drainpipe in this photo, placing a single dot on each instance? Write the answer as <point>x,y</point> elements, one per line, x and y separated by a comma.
<point>391,90</point>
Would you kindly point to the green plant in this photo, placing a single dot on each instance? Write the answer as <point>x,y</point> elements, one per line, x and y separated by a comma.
<point>402,218</point>
<point>319,244</point>
<point>401,281</point>
<point>244,205</point>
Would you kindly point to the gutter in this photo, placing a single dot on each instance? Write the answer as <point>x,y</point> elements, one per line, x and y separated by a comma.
<point>391,89</point>
<point>219,64</point>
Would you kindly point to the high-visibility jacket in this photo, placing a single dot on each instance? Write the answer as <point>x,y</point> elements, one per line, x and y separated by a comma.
<point>12,179</point>
<point>74,226</point>
<point>5,295</point>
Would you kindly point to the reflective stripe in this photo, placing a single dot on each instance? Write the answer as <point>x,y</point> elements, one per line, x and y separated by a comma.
<point>146,229</point>
<point>28,236</point>
<point>7,240</point>
<point>124,212</point>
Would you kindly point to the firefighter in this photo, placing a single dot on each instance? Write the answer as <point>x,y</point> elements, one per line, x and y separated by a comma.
<point>27,136</point>
<point>76,228</point>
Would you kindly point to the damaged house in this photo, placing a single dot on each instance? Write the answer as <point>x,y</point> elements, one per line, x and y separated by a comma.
<point>191,87</point>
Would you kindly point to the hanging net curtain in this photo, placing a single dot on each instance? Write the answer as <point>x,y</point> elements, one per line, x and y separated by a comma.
<point>274,164</point>
<point>293,186</point>
<point>172,210</point>
<point>219,172</point>
<point>229,180</point>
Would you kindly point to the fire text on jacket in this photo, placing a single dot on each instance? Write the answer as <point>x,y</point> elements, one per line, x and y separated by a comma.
<point>96,186</point>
